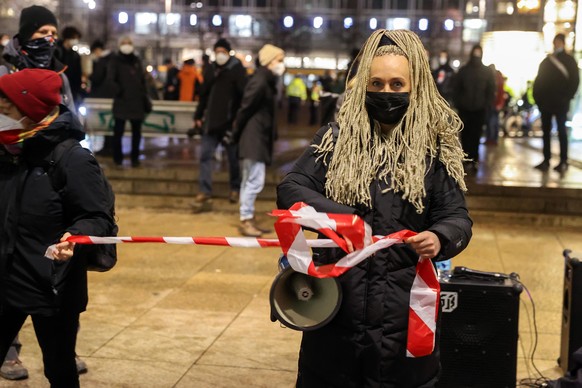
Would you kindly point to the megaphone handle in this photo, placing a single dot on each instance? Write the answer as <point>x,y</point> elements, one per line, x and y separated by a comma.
<point>301,286</point>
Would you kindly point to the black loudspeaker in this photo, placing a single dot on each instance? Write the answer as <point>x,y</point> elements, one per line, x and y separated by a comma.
<point>571,311</point>
<point>479,329</point>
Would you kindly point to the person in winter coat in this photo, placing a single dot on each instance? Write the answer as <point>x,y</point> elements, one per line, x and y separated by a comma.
<point>220,99</point>
<point>33,47</point>
<point>255,132</point>
<point>67,55</point>
<point>443,74</point>
<point>172,84</point>
<point>101,56</point>
<point>555,85</point>
<point>126,76</point>
<point>396,162</point>
<point>51,290</point>
<point>189,77</point>
<point>473,93</point>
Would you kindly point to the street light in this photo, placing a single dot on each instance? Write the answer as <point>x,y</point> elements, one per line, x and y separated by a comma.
<point>288,21</point>
<point>348,23</point>
<point>122,17</point>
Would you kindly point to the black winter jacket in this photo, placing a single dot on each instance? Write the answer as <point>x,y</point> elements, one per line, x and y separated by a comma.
<point>552,89</point>
<point>255,121</point>
<point>126,79</point>
<point>35,216</point>
<point>473,87</point>
<point>365,344</point>
<point>220,96</point>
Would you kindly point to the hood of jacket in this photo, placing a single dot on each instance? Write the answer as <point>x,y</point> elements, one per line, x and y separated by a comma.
<point>65,126</point>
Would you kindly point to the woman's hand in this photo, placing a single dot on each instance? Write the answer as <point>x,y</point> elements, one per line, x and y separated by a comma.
<point>349,244</point>
<point>64,250</point>
<point>426,244</point>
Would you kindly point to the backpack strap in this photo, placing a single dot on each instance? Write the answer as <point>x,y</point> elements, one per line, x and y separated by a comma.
<point>55,162</point>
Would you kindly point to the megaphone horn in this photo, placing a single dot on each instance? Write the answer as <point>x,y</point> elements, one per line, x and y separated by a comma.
<point>302,302</point>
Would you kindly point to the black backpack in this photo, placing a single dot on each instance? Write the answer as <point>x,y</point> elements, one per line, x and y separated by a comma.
<point>100,257</point>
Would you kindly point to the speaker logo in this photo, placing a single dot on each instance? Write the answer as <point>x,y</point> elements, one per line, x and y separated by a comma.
<point>449,301</point>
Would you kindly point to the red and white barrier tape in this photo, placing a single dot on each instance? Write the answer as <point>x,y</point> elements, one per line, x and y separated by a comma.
<point>425,292</point>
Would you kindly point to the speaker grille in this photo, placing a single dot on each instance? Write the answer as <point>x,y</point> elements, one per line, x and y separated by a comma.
<point>479,333</point>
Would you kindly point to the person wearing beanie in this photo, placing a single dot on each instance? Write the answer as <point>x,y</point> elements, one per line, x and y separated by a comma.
<point>394,159</point>
<point>223,43</point>
<point>255,133</point>
<point>37,213</point>
<point>220,98</point>
<point>268,53</point>
<point>34,48</point>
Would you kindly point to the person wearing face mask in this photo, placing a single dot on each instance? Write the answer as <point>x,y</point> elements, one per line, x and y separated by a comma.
<point>473,94</point>
<point>220,99</point>
<point>51,290</point>
<point>394,159</point>
<point>554,87</point>
<point>34,46</point>
<point>443,74</point>
<point>126,79</point>
<point>255,132</point>
<point>31,48</point>
<point>68,56</point>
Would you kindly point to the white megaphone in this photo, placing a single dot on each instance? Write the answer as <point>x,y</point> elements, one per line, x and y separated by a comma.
<point>303,302</point>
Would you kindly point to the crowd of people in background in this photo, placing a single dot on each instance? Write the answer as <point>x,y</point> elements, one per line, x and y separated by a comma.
<point>480,94</point>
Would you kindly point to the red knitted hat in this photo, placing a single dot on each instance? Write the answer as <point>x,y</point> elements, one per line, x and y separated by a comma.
<point>35,92</point>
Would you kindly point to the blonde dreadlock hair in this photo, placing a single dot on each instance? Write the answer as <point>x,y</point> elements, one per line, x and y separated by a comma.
<point>399,156</point>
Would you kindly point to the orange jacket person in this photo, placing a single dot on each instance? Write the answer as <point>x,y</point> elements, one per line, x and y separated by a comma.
<point>188,76</point>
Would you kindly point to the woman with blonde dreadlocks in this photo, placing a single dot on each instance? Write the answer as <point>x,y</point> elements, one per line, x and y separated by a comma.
<point>396,161</point>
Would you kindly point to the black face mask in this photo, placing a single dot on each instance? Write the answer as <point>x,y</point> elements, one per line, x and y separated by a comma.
<point>387,108</point>
<point>39,52</point>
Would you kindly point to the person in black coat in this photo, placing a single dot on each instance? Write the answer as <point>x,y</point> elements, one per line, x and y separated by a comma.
<point>126,77</point>
<point>220,99</point>
<point>443,75</point>
<point>33,47</point>
<point>172,84</point>
<point>555,85</point>
<point>51,289</point>
<point>66,54</point>
<point>36,37</point>
<point>255,132</point>
<point>97,79</point>
<point>395,160</point>
<point>473,90</point>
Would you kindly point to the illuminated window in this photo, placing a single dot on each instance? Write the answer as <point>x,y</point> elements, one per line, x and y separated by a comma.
<point>398,23</point>
<point>240,25</point>
<point>145,22</point>
<point>169,23</point>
